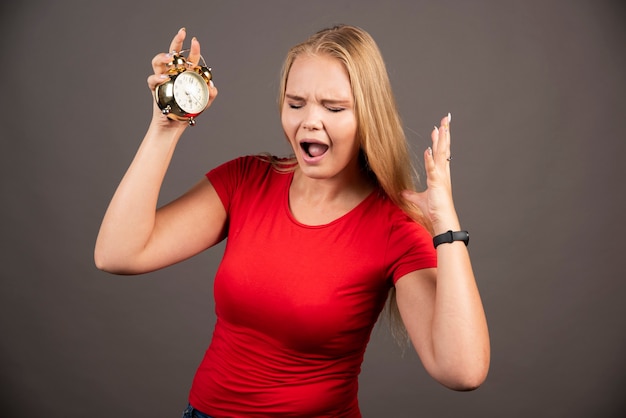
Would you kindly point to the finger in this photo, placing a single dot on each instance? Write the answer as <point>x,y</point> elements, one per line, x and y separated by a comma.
<point>415,198</point>
<point>445,121</point>
<point>410,196</point>
<point>434,136</point>
<point>442,150</point>
<point>156,79</point>
<point>212,92</point>
<point>429,161</point>
<point>194,51</point>
<point>160,62</point>
<point>177,42</point>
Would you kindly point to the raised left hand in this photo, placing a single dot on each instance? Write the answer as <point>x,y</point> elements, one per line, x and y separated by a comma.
<point>436,201</point>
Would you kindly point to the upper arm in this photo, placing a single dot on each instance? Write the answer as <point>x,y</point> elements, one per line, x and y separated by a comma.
<point>446,326</point>
<point>184,227</point>
<point>415,296</point>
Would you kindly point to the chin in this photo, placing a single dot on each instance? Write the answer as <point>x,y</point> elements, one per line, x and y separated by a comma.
<point>313,172</point>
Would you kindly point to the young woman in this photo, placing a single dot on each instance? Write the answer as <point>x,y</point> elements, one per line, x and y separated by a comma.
<point>315,242</point>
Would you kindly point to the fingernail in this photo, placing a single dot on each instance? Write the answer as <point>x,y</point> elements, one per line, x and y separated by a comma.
<point>194,39</point>
<point>449,117</point>
<point>163,76</point>
<point>430,151</point>
<point>436,129</point>
<point>211,83</point>
<point>182,29</point>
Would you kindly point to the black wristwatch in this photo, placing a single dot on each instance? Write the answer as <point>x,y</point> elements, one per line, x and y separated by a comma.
<point>451,236</point>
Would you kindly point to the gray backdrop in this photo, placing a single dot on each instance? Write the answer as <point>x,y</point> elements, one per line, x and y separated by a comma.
<point>536,89</point>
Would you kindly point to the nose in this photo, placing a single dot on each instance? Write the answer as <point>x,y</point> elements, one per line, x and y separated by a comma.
<point>312,120</point>
<point>312,125</point>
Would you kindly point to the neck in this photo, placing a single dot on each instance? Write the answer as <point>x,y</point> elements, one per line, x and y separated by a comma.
<point>330,190</point>
<point>320,201</point>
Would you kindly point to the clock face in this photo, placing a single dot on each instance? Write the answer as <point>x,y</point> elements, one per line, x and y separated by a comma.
<point>191,92</point>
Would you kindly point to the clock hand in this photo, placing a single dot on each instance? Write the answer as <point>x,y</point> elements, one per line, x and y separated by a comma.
<point>193,97</point>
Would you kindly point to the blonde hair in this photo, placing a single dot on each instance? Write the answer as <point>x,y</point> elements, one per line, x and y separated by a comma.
<point>384,150</point>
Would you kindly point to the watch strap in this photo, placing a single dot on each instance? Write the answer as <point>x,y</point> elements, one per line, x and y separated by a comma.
<point>451,236</point>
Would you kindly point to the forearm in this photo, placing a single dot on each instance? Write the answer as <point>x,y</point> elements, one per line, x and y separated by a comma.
<point>129,220</point>
<point>460,339</point>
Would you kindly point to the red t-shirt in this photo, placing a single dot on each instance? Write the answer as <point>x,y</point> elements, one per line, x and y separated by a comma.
<point>295,304</point>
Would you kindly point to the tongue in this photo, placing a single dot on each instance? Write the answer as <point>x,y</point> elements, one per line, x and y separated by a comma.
<point>315,150</point>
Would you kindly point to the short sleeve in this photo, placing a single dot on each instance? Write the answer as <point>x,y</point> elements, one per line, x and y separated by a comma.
<point>226,179</point>
<point>410,248</point>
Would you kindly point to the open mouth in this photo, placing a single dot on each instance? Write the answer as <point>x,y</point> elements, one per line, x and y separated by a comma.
<point>314,149</point>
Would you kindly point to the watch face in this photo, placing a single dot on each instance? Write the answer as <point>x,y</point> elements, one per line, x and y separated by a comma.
<point>191,92</point>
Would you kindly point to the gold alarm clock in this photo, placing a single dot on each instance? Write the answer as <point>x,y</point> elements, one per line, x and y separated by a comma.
<point>186,94</point>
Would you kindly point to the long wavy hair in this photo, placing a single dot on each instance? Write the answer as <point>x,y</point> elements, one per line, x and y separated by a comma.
<point>384,149</point>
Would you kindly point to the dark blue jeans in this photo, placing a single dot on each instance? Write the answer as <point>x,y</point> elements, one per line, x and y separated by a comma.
<point>191,412</point>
